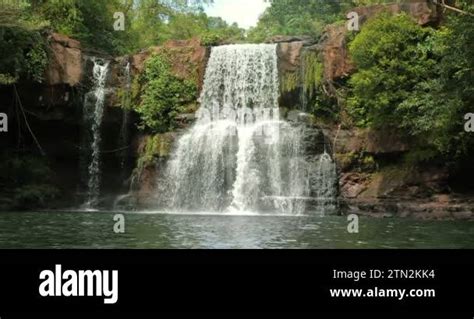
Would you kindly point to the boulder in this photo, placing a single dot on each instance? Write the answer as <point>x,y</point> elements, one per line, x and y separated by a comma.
<point>370,141</point>
<point>65,65</point>
<point>333,46</point>
<point>65,41</point>
<point>289,56</point>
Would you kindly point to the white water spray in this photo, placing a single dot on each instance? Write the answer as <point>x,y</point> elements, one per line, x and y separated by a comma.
<point>93,114</point>
<point>239,156</point>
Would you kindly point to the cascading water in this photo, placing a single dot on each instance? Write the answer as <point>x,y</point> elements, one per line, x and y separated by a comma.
<point>124,135</point>
<point>325,178</point>
<point>93,112</point>
<point>123,202</point>
<point>240,156</point>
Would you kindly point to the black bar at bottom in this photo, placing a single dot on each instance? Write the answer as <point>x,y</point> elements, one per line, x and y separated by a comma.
<point>240,280</point>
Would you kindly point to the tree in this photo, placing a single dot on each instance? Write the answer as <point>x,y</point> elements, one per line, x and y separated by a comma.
<point>298,17</point>
<point>390,61</point>
<point>417,80</point>
<point>22,47</point>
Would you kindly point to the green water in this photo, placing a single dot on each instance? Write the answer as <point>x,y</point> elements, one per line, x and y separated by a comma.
<point>95,230</point>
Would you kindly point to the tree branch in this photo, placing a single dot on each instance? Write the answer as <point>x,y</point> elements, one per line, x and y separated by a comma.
<point>26,121</point>
<point>444,5</point>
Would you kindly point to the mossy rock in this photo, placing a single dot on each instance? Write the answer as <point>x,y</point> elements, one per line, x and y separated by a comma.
<point>154,147</point>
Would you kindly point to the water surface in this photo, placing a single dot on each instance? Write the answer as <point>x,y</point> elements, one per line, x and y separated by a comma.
<point>200,231</point>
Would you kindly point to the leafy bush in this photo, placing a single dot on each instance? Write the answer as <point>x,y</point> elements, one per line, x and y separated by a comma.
<point>23,51</point>
<point>27,181</point>
<point>418,80</point>
<point>392,59</point>
<point>297,17</point>
<point>163,95</point>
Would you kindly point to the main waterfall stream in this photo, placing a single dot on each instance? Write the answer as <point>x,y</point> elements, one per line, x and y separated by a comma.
<point>241,156</point>
<point>93,112</point>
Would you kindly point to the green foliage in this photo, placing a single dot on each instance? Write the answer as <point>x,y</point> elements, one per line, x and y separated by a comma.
<point>147,22</point>
<point>22,46</point>
<point>155,146</point>
<point>89,21</point>
<point>298,17</point>
<point>289,82</point>
<point>319,103</point>
<point>163,95</point>
<point>28,181</point>
<point>313,73</point>
<point>22,54</point>
<point>452,93</point>
<point>392,59</point>
<point>218,32</point>
<point>360,3</point>
<point>417,80</point>
<point>36,195</point>
<point>357,161</point>
<point>153,22</point>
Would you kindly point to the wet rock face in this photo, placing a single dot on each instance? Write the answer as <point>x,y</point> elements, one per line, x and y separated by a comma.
<point>65,65</point>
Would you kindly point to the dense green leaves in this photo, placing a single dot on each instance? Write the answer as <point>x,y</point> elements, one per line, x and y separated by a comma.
<point>146,22</point>
<point>298,17</point>
<point>417,80</point>
<point>392,61</point>
<point>163,95</point>
<point>29,180</point>
<point>22,47</point>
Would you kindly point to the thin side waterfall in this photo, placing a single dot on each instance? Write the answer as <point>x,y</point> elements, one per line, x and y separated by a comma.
<point>123,202</point>
<point>124,136</point>
<point>303,89</point>
<point>93,112</point>
<point>240,156</point>
<point>325,178</point>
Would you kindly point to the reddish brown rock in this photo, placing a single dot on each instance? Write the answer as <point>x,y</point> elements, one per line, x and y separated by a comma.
<point>289,56</point>
<point>352,184</point>
<point>370,141</point>
<point>337,63</point>
<point>138,60</point>
<point>65,66</point>
<point>64,40</point>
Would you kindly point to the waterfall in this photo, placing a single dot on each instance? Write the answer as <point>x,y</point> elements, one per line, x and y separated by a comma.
<point>240,156</point>
<point>325,179</point>
<point>124,136</point>
<point>123,202</point>
<point>303,89</point>
<point>93,112</point>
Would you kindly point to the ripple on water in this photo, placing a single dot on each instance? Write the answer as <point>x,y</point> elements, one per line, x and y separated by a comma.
<point>93,230</point>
